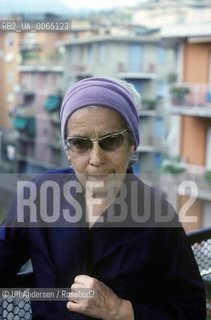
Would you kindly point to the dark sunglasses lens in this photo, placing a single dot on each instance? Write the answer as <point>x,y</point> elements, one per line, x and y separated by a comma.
<point>79,145</point>
<point>111,143</point>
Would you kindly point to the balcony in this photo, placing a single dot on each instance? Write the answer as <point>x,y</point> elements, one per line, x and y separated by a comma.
<point>191,99</point>
<point>31,46</point>
<point>147,72</point>
<point>25,97</point>
<point>150,144</point>
<point>26,111</point>
<point>24,137</point>
<point>200,241</point>
<point>24,124</point>
<point>202,183</point>
<point>52,103</point>
<point>81,71</point>
<point>147,113</point>
<point>42,67</point>
<point>38,61</point>
<point>197,175</point>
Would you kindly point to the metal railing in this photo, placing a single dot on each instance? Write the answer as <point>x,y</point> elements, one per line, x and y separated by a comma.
<point>20,309</point>
<point>191,94</point>
<point>201,245</point>
<point>14,308</point>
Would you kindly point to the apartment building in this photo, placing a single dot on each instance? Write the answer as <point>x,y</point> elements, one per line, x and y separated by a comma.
<point>9,59</point>
<point>142,61</point>
<point>31,90</point>
<point>30,72</point>
<point>191,114</point>
<point>157,14</point>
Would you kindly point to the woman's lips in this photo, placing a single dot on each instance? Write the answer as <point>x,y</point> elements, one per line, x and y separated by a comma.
<point>98,177</point>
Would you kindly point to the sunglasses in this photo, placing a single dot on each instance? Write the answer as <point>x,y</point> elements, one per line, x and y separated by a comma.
<point>110,142</point>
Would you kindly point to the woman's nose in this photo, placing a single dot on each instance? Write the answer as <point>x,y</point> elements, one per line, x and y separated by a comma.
<point>97,155</point>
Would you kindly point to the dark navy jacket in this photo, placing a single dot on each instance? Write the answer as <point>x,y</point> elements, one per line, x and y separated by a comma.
<point>149,263</point>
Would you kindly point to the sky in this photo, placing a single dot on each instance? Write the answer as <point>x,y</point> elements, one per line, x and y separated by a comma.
<point>59,6</point>
<point>97,4</point>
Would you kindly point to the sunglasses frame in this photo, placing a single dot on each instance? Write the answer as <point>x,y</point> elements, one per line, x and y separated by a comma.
<point>91,140</point>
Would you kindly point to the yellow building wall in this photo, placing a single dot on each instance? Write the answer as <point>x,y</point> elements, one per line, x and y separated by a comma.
<point>197,57</point>
<point>193,139</point>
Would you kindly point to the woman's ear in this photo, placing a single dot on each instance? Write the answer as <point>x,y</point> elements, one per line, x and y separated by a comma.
<point>132,149</point>
<point>68,155</point>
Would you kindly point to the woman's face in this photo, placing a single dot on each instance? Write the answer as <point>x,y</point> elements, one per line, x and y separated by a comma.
<point>97,164</point>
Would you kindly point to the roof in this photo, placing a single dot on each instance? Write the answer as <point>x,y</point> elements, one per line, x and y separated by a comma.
<point>187,30</point>
<point>110,38</point>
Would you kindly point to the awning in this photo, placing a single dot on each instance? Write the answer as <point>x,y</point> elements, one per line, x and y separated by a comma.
<point>52,103</point>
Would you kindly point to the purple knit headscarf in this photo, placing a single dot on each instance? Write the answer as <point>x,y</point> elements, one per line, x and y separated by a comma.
<point>97,91</point>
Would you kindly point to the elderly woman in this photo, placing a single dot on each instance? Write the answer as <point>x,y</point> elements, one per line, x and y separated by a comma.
<point>118,255</point>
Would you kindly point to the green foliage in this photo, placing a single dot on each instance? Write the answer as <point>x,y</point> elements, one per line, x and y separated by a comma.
<point>172,77</point>
<point>149,104</point>
<point>208,176</point>
<point>30,56</point>
<point>171,168</point>
<point>179,92</point>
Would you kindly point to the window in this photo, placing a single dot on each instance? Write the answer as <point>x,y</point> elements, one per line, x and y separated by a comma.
<point>135,57</point>
<point>90,54</point>
<point>137,84</point>
<point>161,89</point>
<point>157,160</point>
<point>29,38</point>
<point>69,55</point>
<point>9,40</point>
<point>161,56</point>
<point>101,53</point>
<point>159,127</point>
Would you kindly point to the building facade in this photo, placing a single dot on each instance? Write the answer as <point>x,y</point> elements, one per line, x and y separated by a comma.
<point>32,71</point>
<point>191,108</point>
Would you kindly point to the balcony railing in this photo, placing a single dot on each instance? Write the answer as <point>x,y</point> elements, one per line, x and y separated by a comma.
<point>15,308</point>
<point>150,68</point>
<point>188,172</point>
<point>150,143</point>
<point>27,46</point>
<point>201,245</point>
<point>24,124</point>
<point>191,98</point>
